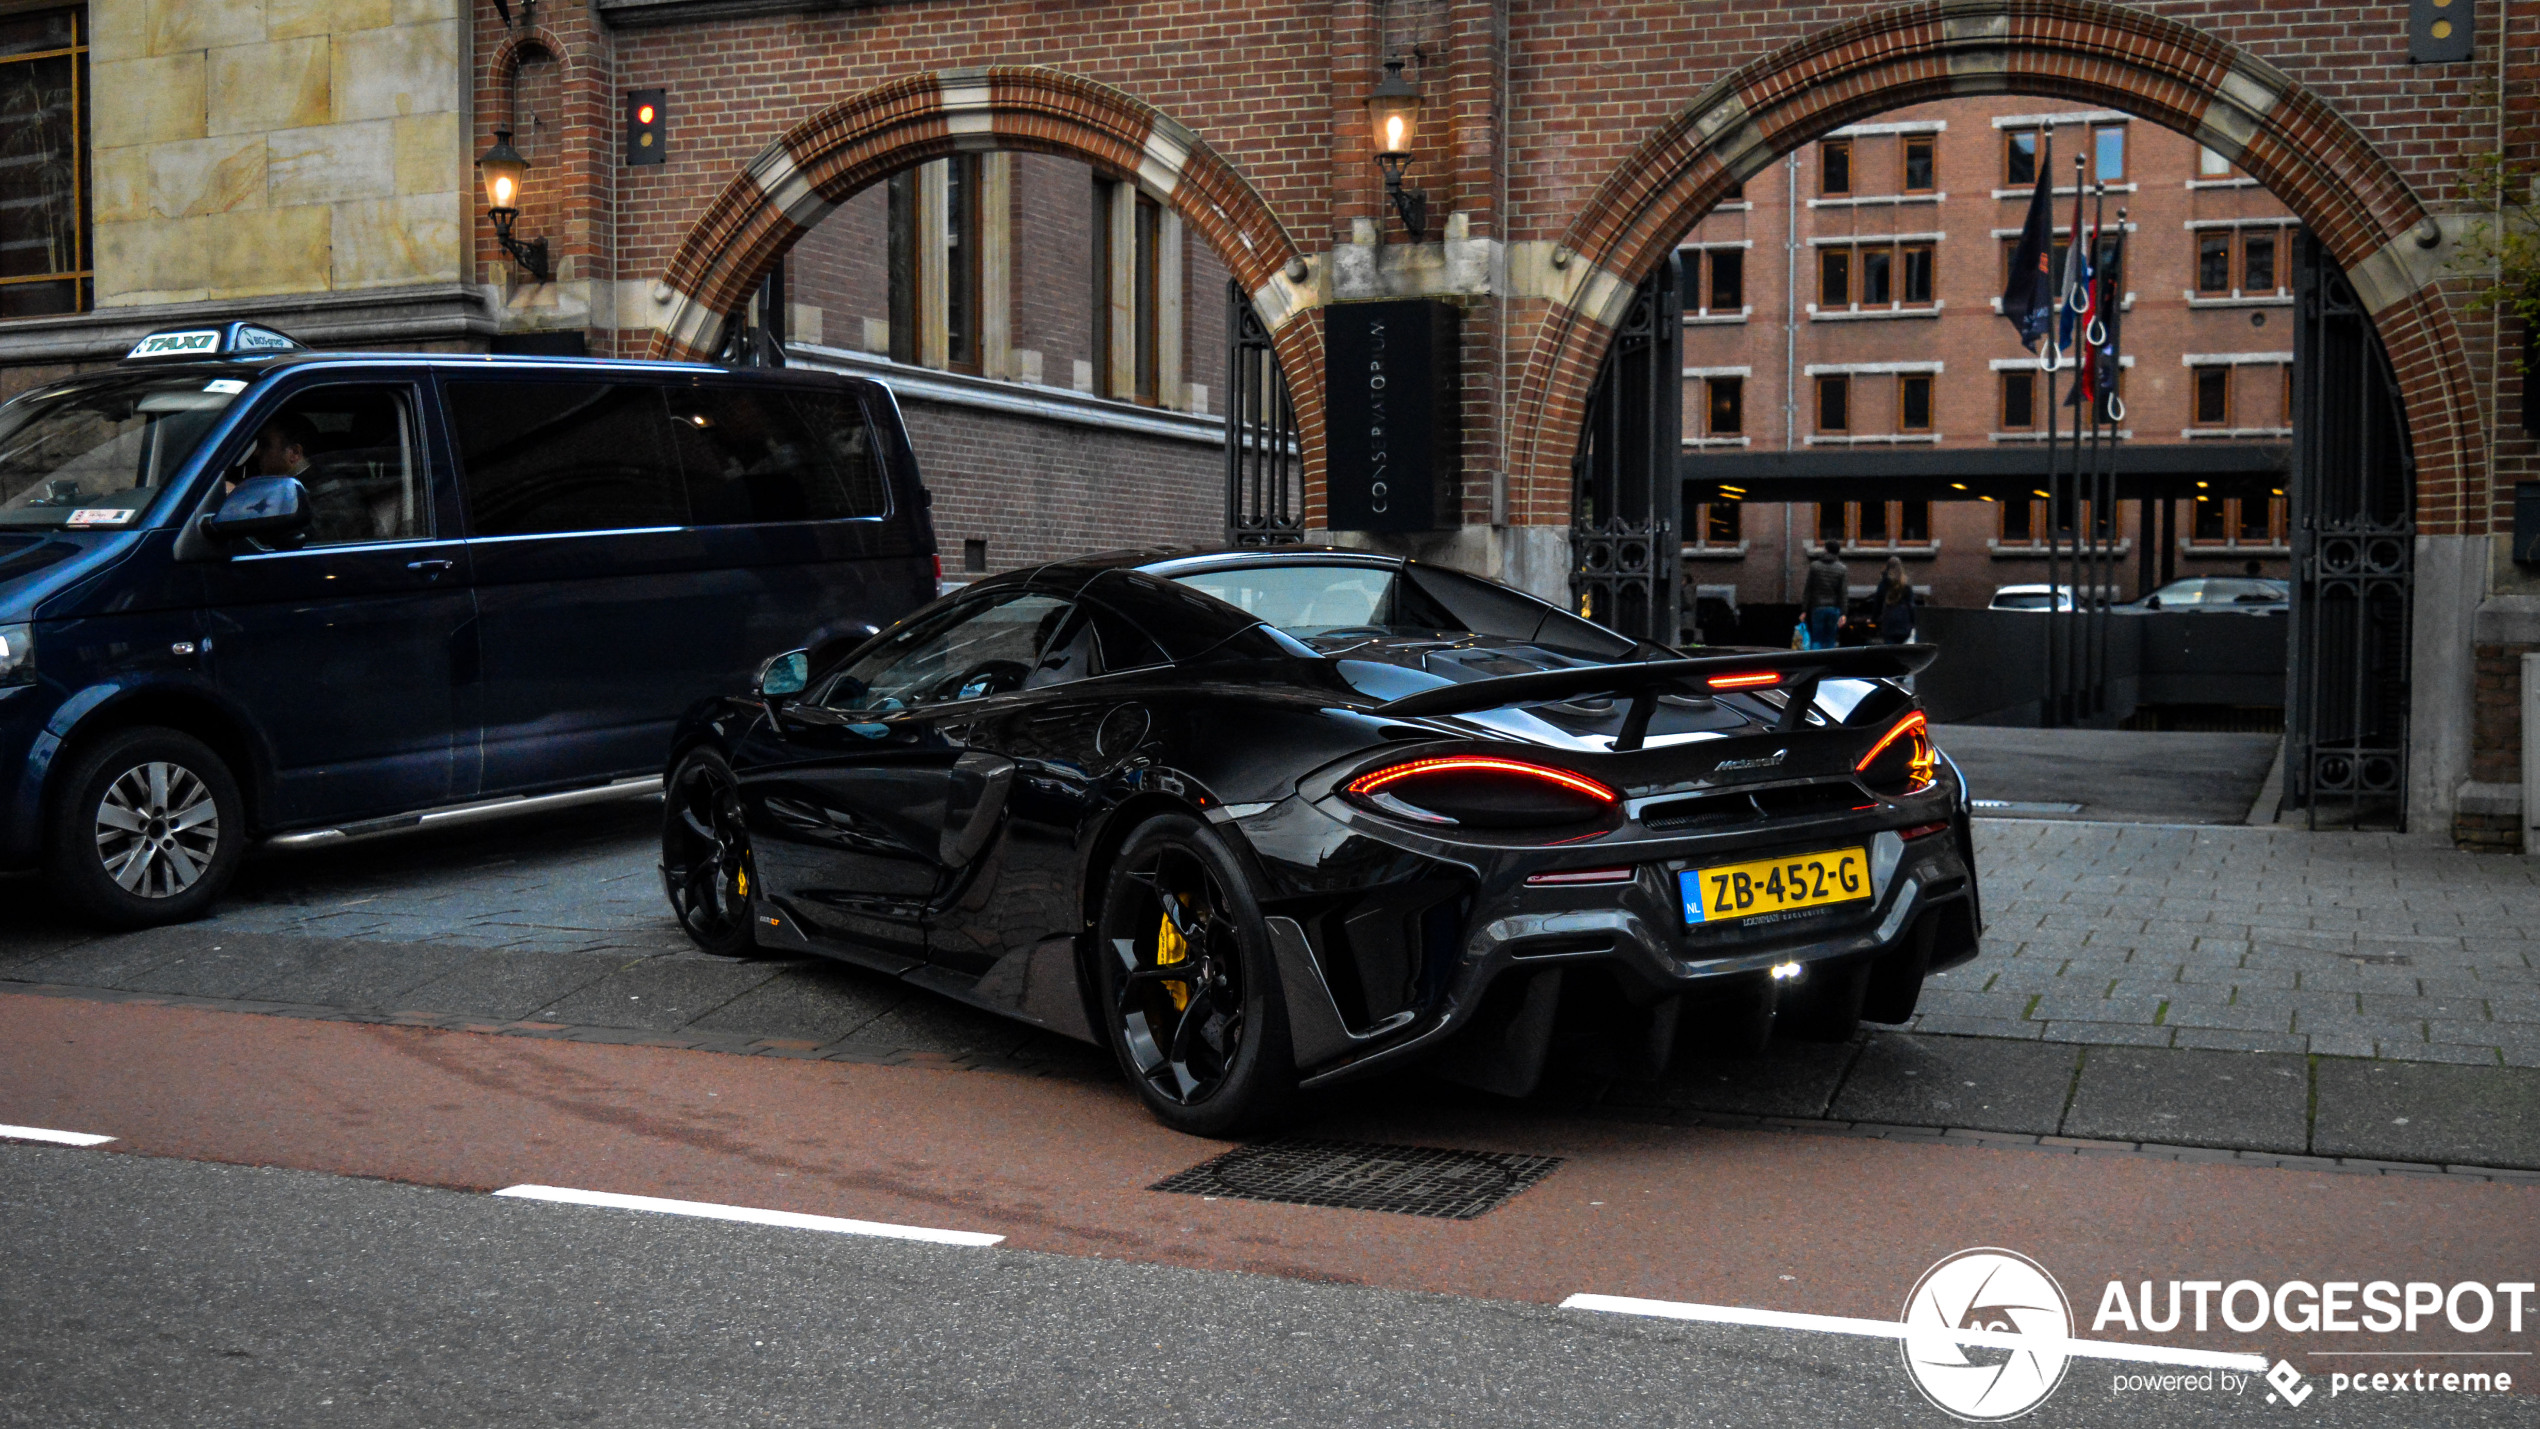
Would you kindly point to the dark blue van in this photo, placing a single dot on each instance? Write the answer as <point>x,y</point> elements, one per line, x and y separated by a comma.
<point>249,591</point>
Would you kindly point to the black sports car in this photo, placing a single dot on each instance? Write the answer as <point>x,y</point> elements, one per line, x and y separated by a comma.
<point>1263,821</point>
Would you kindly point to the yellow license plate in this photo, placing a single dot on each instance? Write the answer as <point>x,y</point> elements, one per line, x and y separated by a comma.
<point>1774,885</point>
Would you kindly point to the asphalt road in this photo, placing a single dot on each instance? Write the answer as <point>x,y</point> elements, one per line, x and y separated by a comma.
<point>175,1293</point>
<point>2138,776</point>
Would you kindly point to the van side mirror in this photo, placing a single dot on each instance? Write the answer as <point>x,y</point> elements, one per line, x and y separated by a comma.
<point>261,508</point>
<point>784,675</point>
<point>2151,602</point>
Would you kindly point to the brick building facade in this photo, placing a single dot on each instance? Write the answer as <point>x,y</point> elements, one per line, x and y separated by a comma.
<point>296,162</point>
<point>1849,298</point>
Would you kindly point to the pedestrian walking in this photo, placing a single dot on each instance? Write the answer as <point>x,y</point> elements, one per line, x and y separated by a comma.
<point>1892,608</point>
<point>1822,597</point>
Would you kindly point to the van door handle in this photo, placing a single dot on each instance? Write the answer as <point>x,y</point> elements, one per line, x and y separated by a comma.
<point>432,567</point>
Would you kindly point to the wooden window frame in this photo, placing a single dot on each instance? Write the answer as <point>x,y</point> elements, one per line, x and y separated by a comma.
<point>1905,146</point>
<point>1891,515</point>
<point>2231,510</point>
<point>1838,382</point>
<point>2196,396</point>
<point>2274,238</point>
<point>2002,401</point>
<point>2230,252</point>
<point>1826,150</point>
<point>1931,401</point>
<point>1705,513</point>
<point>2125,156</point>
<point>1711,389</point>
<point>1828,260</point>
<point>2010,150</point>
<point>1885,257</point>
<point>1905,255</point>
<point>1711,279</point>
<point>82,274</point>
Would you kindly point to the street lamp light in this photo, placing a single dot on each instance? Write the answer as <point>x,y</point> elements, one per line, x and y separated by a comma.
<point>1393,107</point>
<point>503,168</point>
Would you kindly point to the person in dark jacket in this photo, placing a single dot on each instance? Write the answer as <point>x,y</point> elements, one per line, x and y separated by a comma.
<point>1892,607</point>
<point>1822,597</point>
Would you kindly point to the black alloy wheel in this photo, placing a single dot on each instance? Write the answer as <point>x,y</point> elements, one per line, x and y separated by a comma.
<point>148,829</point>
<point>1187,978</point>
<point>705,855</point>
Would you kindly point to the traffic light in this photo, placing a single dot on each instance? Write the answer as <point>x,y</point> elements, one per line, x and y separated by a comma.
<point>2439,31</point>
<point>648,127</point>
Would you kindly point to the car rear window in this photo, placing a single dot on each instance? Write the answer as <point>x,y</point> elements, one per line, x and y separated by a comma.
<point>557,456</point>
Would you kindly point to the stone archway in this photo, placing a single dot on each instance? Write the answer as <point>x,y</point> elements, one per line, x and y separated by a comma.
<point>821,162</point>
<point>2168,73</point>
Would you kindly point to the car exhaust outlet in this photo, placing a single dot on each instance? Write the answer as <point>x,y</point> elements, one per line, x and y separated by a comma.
<point>1787,972</point>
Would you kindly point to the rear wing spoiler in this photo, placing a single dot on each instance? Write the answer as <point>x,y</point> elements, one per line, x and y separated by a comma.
<point>1794,671</point>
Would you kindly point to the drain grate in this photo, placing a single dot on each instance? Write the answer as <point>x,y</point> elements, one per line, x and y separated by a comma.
<point>1360,1176</point>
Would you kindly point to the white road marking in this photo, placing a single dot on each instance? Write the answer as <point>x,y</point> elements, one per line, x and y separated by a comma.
<point>709,1210</point>
<point>58,1138</point>
<point>1895,1330</point>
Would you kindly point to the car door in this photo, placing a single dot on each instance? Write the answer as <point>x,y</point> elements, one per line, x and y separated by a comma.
<point>866,801</point>
<point>353,649</point>
<point>602,616</point>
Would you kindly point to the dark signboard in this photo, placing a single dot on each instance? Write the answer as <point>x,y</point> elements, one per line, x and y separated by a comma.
<point>1395,444</point>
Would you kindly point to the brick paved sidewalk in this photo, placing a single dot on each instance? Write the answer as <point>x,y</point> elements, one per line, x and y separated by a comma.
<point>2252,940</point>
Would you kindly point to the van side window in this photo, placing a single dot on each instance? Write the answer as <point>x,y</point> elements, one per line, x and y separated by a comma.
<point>769,454</point>
<point>539,456</point>
<point>353,448</point>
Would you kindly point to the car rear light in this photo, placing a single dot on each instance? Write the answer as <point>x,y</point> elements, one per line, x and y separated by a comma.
<point>1754,680</point>
<point>1903,761</point>
<point>1922,831</point>
<point>1483,791</point>
<point>1573,876</point>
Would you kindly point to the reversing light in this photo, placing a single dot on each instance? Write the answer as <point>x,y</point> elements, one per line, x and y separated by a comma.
<point>1748,681</point>
<point>1784,972</point>
<point>1921,831</point>
<point>1922,762</point>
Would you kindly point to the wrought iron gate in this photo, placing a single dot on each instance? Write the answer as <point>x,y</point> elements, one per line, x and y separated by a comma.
<point>2354,547</point>
<point>1627,492</point>
<point>1265,488</point>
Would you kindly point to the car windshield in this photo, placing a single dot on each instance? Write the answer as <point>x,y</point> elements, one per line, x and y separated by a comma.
<point>2020,600</point>
<point>1339,602</point>
<point>97,451</point>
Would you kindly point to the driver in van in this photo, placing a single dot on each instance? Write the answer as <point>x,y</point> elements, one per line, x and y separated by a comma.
<point>282,449</point>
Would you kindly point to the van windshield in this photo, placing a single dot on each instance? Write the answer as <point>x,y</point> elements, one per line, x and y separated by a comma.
<point>95,452</point>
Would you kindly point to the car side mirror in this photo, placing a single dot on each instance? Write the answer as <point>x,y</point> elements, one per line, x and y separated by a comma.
<point>784,676</point>
<point>261,508</point>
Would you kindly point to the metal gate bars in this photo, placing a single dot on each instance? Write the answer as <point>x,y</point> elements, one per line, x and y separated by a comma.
<point>2354,547</point>
<point>1626,549</point>
<point>1265,486</point>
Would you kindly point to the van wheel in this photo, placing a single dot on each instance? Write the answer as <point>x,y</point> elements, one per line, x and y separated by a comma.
<point>149,829</point>
<point>705,855</point>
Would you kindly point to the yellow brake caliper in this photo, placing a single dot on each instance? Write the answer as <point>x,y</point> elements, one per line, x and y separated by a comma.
<point>1171,948</point>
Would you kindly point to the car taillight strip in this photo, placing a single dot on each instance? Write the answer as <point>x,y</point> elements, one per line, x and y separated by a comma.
<point>1480,764</point>
<point>1922,831</point>
<point>1914,724</point>
<point>1746,681</point>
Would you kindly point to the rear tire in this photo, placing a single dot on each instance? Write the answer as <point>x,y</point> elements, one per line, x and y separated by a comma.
<point>706,867</point>
<point>149,829</point>
<point>1208,1053</point>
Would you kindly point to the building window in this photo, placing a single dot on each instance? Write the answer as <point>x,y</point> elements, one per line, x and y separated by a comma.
<point>1918,272</point>
<point>2019,401</point>
<point>961,263</point>
<point>1834,277</point>
<point>1719,523</point>
<point>2213,263</point>
<point>1145,297</point>
<point>1834,404</point>
<point>1728,279</point>
<point>1834,167</point>
<point>1878,274</point>
<point>2238,521</point>
<point>1913,402</point>
<point>45,265</point>
<point>900,235</point>
<point>2257,261</point>
<point>1129,237</point>
<point>1725,406</point>
<point>2287,418</point>
<point>2020,520</point>
<point>1922,163</point>
<point>2212,396</point>
<point>2019,157</point>
<point>1831,525</point>
<point>1875,523</point>
<point>2107,144</point>
<point>2212,165</point>
<point>1737,192</point>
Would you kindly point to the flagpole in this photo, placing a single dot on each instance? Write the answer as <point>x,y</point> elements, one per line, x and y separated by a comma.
<point>2102,474</point>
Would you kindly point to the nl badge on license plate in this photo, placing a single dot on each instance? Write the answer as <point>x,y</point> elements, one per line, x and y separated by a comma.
<point>1774,885</point>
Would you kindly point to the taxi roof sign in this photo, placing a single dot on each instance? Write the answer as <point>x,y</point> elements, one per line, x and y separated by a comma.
<point>231,339</point>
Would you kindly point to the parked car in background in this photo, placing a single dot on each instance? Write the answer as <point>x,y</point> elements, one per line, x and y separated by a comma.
<point>1261,821</point>
<point>2208,595</point>
<point>2032,597</point>
<point>250,590</point>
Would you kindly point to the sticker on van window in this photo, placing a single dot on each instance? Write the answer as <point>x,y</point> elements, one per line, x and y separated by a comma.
<point>100,516</point>
<point>225,386</point>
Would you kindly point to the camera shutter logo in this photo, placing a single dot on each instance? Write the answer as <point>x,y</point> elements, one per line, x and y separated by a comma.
<point>1997,1292</point>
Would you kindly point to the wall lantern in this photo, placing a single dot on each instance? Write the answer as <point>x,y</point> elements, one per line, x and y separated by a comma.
<point>503,168</point>
<point>1393,107</point>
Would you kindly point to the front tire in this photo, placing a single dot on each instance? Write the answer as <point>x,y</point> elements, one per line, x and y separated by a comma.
<point>149,829</point>
<point>705,855</point>
<point>1188,985</point>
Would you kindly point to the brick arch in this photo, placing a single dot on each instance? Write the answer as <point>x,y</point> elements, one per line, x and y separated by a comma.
<point>2100,54</point>
<point>819,163</point>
